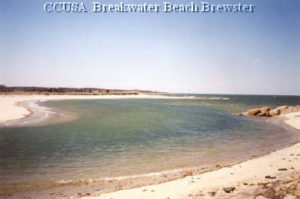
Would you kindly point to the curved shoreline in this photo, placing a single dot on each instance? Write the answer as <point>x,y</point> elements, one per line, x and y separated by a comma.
<point>37,115</point>
<point>250,175</point>
<point>189,176</point>
<point>12,121</point>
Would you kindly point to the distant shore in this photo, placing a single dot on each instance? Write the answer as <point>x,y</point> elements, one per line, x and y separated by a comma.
<point>12,110</point>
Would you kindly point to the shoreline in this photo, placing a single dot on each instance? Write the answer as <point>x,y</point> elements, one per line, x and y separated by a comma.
<point>187,178</point>
<point>211,183</point>
<point>130,182</point>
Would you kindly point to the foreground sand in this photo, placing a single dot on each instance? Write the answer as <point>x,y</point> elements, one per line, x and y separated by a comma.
<point>245,177</point>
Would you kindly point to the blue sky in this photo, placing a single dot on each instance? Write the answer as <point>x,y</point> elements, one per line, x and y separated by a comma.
<point>233,53</point>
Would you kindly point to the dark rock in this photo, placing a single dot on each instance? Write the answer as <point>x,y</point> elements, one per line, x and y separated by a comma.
<point>270,177</point>
<point>282,169</point>
<point>228,189</point>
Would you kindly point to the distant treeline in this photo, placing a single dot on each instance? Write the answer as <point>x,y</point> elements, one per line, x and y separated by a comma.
<point>64,90</point>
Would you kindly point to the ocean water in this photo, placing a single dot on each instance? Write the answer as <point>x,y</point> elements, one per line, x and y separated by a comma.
<point>113,138</point>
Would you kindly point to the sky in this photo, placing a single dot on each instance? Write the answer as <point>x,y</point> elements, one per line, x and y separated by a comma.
<point>225,53</point>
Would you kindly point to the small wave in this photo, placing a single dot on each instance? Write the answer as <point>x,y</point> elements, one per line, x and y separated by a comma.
<point>205,98</point>
<point>150,178</point>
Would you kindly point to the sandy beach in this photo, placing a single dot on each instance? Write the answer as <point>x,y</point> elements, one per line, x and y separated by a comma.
<point>242,180</point>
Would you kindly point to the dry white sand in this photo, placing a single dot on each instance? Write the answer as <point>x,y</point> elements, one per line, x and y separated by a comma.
<point>293,120</point>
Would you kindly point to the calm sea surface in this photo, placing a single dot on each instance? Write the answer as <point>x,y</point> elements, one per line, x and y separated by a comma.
<point>109,138</point>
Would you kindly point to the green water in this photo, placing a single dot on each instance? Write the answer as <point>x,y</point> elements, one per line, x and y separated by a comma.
<point>108,138</point>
